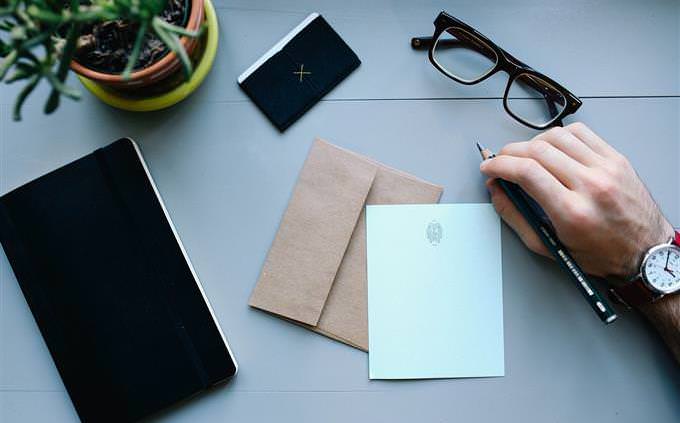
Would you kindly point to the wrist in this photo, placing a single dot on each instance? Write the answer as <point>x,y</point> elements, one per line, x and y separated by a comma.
<point>647,287</point>
<point>659,233</point>
<point>664,315</point>
<point>659,310</point>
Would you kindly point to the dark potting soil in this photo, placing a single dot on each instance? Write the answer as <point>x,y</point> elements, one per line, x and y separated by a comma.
<point>105,46</point>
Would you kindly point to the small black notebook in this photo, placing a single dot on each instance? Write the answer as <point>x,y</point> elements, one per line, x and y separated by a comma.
<point>111,287</point>
<point>298,71</point>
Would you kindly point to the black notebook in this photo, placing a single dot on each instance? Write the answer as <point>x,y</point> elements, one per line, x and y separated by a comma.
<point>298,71</point>
<point>111,287</point>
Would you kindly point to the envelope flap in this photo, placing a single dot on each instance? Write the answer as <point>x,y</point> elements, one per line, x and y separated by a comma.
<point>345,314</point>
<point>314,233</point>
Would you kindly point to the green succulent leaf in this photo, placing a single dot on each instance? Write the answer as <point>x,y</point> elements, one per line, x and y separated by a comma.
<point>23,94</point>
<point>18,75</point>
<point>62,71</point>
<point>7,63</point>
<point>39,38</point>
<point>172,42</point>
<point>134,55</point>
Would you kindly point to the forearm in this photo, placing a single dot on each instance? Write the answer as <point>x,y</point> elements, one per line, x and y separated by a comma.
<point>665,316</point>
<point>600,209</point>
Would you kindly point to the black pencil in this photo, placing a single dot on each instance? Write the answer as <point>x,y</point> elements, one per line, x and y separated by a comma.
<point>539,223</point>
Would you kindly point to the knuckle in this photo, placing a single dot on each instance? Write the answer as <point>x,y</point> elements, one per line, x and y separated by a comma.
<point>555,133</point>
<point>502,207</point>
<point>605,190</point>
<point>602,188</point>
<point>538,148</point>
<point>577,216</point>
<point>576,127</point>
<point>507,149</point>
<point>527,171</point>
<point>557,130</point>
<point>621,161</point>
<point>530,242</point>
<point>617,166</point>
<point>533,244</point>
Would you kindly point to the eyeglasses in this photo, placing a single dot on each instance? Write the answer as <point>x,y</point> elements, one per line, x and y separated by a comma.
<point>465,55</point>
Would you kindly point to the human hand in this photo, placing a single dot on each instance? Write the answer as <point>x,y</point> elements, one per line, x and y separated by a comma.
<point>598,205</point>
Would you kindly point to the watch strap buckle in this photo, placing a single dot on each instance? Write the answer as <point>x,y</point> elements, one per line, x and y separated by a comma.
<point>616,298</point>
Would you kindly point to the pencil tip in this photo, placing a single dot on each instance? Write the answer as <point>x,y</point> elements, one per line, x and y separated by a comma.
<point>479,146</point>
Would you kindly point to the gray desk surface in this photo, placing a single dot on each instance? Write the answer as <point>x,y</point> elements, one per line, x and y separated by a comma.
<point>226,176</point>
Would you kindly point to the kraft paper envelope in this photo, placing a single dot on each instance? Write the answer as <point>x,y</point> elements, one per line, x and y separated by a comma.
<point>315,273</point>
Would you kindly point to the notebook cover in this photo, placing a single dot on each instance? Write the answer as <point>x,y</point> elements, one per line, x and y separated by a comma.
<point>110,287</point>
<point>299,71</point>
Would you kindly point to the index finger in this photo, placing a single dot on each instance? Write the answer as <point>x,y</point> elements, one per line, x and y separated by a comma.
<point>540,184</point>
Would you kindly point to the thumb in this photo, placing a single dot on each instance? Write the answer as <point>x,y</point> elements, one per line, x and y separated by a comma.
<point>514,218</point>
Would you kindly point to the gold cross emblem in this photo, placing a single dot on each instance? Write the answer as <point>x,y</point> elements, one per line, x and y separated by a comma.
<point>302,72</point>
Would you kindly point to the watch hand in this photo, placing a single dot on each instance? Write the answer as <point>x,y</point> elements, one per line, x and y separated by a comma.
<point>668,256</point>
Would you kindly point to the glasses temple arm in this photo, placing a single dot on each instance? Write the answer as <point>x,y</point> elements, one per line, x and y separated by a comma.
<point>421,43</point>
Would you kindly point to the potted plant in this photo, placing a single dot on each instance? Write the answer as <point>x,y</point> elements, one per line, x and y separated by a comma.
<point>133,54</point>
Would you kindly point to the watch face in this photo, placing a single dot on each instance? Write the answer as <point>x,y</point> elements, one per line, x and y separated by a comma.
<point>661,269</point>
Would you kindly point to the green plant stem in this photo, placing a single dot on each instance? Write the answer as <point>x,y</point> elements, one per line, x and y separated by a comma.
<point>134,54</point>
<point>64,63</point>
<point>172,41</point>
<point>38,39</point>
<point>44,15</point>
<point>63,89</point>
<point>181,31</point>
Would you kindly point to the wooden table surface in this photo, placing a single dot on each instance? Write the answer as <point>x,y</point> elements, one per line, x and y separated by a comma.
<point>226,176</point>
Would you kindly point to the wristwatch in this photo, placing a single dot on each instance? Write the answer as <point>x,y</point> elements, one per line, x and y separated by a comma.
<point>659,276</point>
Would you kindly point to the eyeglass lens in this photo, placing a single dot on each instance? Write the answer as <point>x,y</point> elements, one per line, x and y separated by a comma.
<point>534,100</point>
<point>462,55</point>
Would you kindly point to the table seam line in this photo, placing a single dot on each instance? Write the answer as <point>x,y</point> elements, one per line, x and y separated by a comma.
<point>339,100</point>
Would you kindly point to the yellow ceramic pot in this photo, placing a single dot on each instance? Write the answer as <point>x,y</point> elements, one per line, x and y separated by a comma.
<point>175,95</point>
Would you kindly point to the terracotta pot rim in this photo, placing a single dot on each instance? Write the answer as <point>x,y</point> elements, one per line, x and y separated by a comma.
<point>193,23</point>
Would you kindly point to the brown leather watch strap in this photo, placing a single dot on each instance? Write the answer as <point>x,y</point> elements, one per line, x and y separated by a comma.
<point>632,294</point>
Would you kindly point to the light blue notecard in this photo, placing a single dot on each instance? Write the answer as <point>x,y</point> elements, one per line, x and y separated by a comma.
<point>435,291</point>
